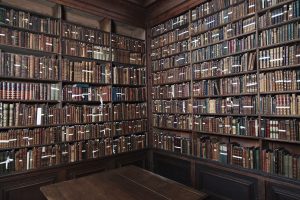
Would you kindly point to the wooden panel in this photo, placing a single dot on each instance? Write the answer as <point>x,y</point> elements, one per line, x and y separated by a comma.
<point>222,184</point>
<point>89,167</point>
<point>25,187</point>
<point>115,9</point>
<point>279,191</point>
<point>172,168</point>
<point>136,158</point>
<point>39,6</point>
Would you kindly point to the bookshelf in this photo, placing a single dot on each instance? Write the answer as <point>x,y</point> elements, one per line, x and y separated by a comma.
<point>225,85</point>
<point>71,90</point>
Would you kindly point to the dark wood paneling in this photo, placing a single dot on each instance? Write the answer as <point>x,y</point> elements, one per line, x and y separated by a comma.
<point>137,158</point>
<point>172,168</point>
<point>25,187</point>
<point>279,191</point>
<point>88,168</point>
<point>119,10</point>
<point>221,184</point>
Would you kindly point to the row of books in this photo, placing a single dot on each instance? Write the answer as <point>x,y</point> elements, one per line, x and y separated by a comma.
<point>19,114</point>
<point>284,33</point>
<point>169,50</point>
<point>172,75</point>
<point>129,75</point>
<point>85,113</point>
<point>128,127</point>
<point>16,138</point>
<point>228,65</point>
<point>225,32</point>
<point>171,142</point>
<point>282,104</point>
<point>85,50</point>
<point>172,106</point>
<point>279,56</point>
<point>26,20</point>
<point>128,94</point>
<point>231,153</point>
<point>282,162</point>
<point>130,111</point>
<point>225,48</point>
<point>183,122</point>
<point>85,34</point>
<point>28,66</point>
<point>45,156</point>
<point>170,37</point>
<point>211,7</point>
<point>284,13</point>
<point>278,161</point>
<point>127,57</point>
<point>227,125</point>
<point>28,91</point>
<point>171,62</point>
<point>209,148</point>
<point>225,16</point>
<point>171,91</point>
<point>231,105</point>
<point>265,3</point>
<point>123,42</point>
<point>282,129</point>
<point>28,40</point>
<point>280,81</point>
<point>84,92</point>
<point>226,86</point>
<point>170,24</point>
<point>88,72</point>
<point>83,132</point>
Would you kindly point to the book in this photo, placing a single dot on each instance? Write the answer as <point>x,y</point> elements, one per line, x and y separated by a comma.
<point>225,48</point>
<point>85,50</point>
<point>171,91</point>
<point>129,76</point>
<point>86,72</point>
<point>28,66</point>
<point>172,142</point>
<point>172,106</point>
<point>85,34</point>
<point>129,111</point>
<point>26,20</point>
<point>84,92</point>
<point>173,121</point>
<point>170,24</point>
<point>128,94</point>
<point>172,75</point>
<point>86,113</point>
<point>229,125</point>
<point>28,40</point>
<point>126,43</point>
<point>28,91</point>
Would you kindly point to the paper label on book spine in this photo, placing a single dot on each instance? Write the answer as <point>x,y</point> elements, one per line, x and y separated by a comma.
<point>39,116</point>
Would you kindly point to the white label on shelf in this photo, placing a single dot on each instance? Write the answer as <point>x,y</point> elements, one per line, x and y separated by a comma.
<point>39,116</point>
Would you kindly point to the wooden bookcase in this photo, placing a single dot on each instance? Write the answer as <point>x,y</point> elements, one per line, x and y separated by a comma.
<point>227,86</point>
<point>87,112</point>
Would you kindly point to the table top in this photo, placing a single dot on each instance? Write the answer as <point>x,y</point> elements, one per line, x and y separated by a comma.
<point>126,183</point>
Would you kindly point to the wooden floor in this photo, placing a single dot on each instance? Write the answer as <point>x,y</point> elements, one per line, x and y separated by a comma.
<point>130,183</point>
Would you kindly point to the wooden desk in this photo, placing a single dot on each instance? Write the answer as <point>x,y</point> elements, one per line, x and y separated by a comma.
<point>127,183</point>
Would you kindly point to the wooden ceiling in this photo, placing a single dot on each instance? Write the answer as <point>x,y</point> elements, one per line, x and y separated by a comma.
<point>143,3</point>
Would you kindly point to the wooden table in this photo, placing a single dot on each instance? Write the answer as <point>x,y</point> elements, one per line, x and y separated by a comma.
<point>130,183</point>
